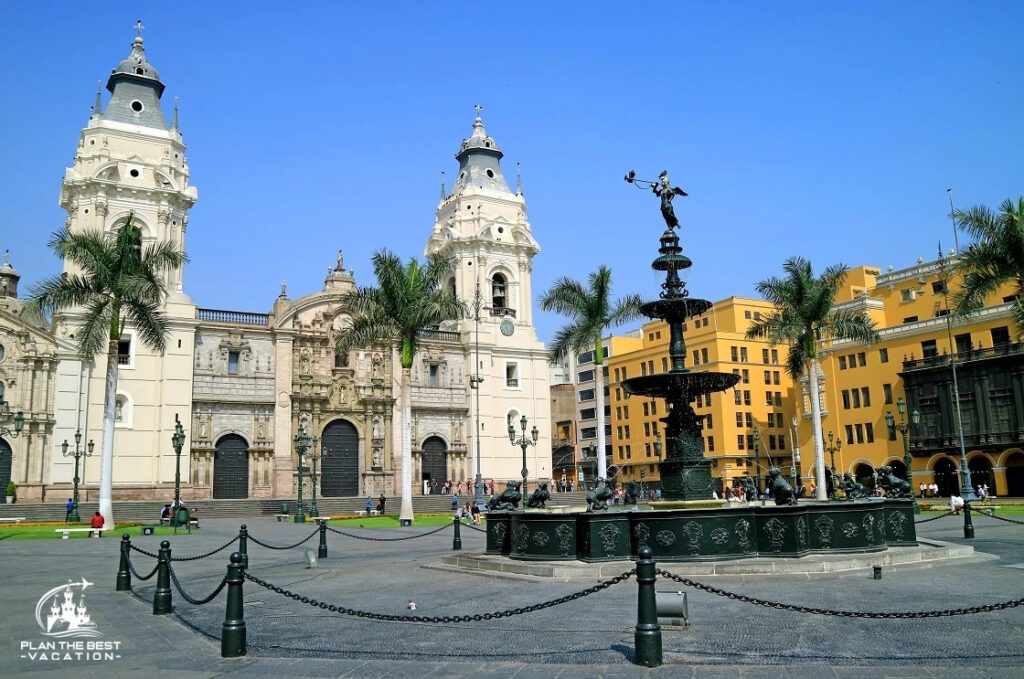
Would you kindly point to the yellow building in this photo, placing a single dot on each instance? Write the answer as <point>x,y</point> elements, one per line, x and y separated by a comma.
<point>914,360</point>
<point>758,410</point>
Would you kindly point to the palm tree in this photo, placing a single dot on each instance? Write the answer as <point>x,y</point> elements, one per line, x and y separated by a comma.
<point>803,317</point>
<point>995,259</point>
<point>590,311</point>
<point>120,282</point>
<point>409,299</point>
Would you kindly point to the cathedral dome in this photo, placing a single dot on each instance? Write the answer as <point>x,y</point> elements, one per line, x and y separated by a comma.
<point>136,64</point>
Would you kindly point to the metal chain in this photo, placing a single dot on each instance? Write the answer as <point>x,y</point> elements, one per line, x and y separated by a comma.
<point>940,516</point>
<point>316,603</point>
<point>186,597</point>
<point>407,537</point>
<point>300,542</point>
<point>151,555</point>
<point>1013,603</point>
<point>472,527</point>
<point>131,566</point>
<point>203,556</point>
<point>1001,518</point>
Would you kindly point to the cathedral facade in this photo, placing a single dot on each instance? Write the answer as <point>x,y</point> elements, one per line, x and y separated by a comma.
<point>243,383</point>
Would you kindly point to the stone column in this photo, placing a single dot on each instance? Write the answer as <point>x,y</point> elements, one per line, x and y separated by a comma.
<point>283,483</point>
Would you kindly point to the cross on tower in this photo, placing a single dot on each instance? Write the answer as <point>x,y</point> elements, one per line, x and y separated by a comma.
<point>478,108</point>
<point>138,27</point>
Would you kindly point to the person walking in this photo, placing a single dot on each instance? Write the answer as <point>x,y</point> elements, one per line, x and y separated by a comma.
<point>69,508</point>
<point>369,505</point>
<point>380,505</point>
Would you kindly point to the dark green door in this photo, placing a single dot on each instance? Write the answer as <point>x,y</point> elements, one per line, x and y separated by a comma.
<point>339,465</point>
<point>6,457</point>
<point>231,468</point>
<point>435,463</point>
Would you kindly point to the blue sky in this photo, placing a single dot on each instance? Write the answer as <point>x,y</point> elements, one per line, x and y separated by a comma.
<point>829,130</point>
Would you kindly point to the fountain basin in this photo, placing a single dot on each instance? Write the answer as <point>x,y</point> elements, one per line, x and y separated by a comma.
<point>708,534</point>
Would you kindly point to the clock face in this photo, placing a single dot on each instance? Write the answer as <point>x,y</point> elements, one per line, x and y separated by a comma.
<point>507,327</point>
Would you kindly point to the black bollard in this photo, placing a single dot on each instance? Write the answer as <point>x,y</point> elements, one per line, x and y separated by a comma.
<point>968,523</point>
<point>124,575</point>
<point>243,544</point>
<point>457,540</point>
<point>321,553</point>
<point>876,572</point>
<point>647,638</point>
<point>232,632</point>
<point>162,595</point>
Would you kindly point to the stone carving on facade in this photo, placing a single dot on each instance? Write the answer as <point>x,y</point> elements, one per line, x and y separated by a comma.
<point>377,428</point>
<point>377,369</point>
<point>377,458</point>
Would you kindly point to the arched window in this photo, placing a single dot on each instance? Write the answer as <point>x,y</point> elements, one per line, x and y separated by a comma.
<point>498,291</point>
<point>451,285</point>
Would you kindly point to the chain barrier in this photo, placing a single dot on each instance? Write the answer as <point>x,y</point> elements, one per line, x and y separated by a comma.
<point>144,552</point>
<point>985,608</point>
<point>407,537</point>
<point>186,597</point>
<point>203,556</point>
<point>316,603</point>
<point>300,542</point>
<point>1001,518</point>
<point>131,567</point>
<point>190,558</point>
<point>934,518</point>
<point>472,527</point>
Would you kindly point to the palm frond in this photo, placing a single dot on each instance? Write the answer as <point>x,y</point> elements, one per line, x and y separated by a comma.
<point>626,309</point>
<point>566,297</point>
<point>149,322</point>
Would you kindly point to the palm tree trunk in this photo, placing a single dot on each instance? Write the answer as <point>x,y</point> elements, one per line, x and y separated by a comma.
<point>602,463</point>
<point>406,397</point>
<point>107,453</point>
<point>819,449</point>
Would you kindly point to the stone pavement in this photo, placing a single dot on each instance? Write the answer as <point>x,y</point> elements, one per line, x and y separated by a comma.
<point>591,637</point>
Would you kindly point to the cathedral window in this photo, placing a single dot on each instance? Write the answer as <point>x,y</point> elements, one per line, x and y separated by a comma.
<point>432,373</point>
<point>512,375</point>
<point>136,106</point>
<point>233,362</point>
<point>124,352</point>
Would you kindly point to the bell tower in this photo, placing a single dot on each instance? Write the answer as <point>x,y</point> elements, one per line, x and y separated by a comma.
<point>130,161</point>
<point>481,226</point>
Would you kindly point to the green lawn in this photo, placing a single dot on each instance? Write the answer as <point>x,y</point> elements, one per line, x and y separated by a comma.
<point>16,532</point>
<point>421,520</point>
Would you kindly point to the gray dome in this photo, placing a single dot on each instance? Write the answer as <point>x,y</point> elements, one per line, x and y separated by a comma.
<point>135,64</point>
<point>479,140</point>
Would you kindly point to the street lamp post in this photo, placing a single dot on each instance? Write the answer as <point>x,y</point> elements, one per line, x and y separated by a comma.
<point>832,450</point>
<point>18,419</point>
<point>523,442</point>
<point>966,489</point>
<point>903,427</point>
<point>757,461</point>
<point>77,454</point>
<point>180,517</point>
<point>796,455</point>
<point>474,383</point>
<point>313,457</point>
<point>302,444</point>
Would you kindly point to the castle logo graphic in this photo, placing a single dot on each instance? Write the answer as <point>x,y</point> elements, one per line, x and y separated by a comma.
<point>65,617</point>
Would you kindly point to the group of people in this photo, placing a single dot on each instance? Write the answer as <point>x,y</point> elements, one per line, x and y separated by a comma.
<point>381,504</point>
<point>171,508</point>
<point>928,489</point>
<point>470,513</point>
<point>454,488</point>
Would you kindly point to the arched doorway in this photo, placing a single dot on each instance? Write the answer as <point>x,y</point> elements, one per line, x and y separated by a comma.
<point>6,458</point>
<point>435,461</point>
<point>1014,475</point>
<point>865,474</point>
<point>946,477</point>
<point>898,469</point>
<point>339,463</point>
<point>231,468</point>
<point>829,482</point>
<point>981,472</point>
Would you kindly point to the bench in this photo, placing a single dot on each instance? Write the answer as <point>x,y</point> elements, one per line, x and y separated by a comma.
<point>12,519</point>
<point>94,532</point>
<point>362,512</point>
<point>282,517</point>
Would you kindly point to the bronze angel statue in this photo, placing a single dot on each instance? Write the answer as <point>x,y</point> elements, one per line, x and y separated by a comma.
<point>664,190</point>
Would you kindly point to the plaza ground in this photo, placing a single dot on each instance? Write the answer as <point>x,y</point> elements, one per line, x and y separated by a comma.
<point>590,637</point>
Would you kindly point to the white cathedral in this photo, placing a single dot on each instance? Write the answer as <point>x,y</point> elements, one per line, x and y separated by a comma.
<point>243,382</point>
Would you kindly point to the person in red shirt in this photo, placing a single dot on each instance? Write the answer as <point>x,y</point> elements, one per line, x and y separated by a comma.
<point>97,520</point>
